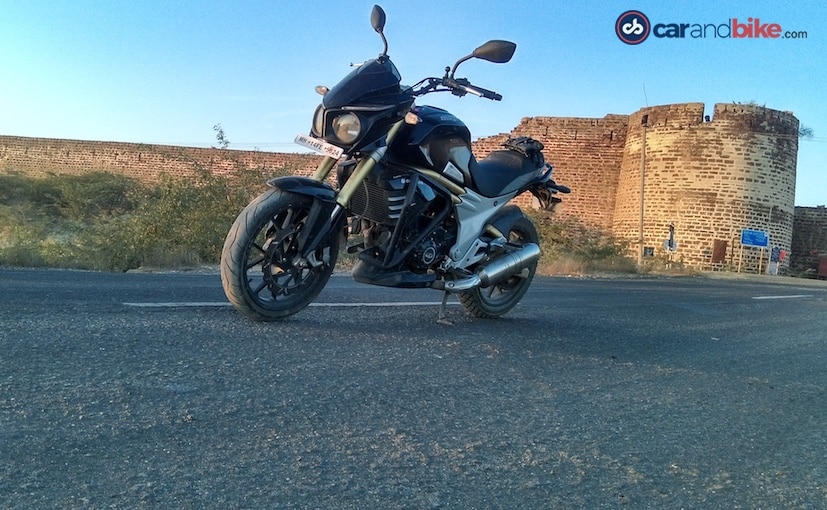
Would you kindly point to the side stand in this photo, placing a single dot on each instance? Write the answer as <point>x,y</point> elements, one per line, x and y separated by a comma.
<point>443,316</point>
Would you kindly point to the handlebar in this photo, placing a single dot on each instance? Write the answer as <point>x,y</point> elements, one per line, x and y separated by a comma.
<point>557,187</point>
<point>462,86</point>
<point>458,87</point>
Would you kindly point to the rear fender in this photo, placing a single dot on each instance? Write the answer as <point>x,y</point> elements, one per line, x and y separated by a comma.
<point>506,218</point>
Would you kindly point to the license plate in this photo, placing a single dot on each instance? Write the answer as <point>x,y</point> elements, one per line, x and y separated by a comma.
<point>320,146</point>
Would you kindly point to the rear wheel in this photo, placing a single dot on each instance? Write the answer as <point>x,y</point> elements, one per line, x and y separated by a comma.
<point>497,299</point>
<point>262,271</point>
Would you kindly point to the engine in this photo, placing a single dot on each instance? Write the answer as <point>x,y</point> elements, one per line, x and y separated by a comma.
<point>404,219</point>
<point>432,250</point>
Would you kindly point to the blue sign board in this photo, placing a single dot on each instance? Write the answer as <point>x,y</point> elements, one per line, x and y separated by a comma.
<point>757,238</point>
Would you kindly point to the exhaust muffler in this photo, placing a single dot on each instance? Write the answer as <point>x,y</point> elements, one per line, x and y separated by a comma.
<point>497,270</point>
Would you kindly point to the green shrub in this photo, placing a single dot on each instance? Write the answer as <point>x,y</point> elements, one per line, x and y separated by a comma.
<point>73,197</point>
<point>110,222</point>
<point>570,247</point>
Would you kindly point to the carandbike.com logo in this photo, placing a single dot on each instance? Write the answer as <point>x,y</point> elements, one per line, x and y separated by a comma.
<point>633,27</point>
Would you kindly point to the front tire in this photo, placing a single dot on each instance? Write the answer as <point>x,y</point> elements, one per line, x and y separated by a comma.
<point>262,271</point>
<point>497,299</point>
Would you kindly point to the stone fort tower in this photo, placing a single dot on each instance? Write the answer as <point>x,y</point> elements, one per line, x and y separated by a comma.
<point>709,178</point>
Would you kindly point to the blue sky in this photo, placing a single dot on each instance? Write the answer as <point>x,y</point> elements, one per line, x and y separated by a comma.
<point>167,72</point>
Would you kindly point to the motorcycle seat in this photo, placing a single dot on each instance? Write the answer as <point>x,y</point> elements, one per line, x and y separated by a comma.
<point>502,172</point>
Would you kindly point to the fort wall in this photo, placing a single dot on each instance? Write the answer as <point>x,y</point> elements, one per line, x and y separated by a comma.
<point>709,178</point>
<point>586,156</point>
<point>809,246</point>
<point>145,162</point>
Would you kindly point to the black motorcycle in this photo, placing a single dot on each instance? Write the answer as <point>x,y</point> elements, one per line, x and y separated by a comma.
<point>410,199</point>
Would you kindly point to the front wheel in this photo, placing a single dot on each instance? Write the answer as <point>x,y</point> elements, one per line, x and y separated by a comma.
<point>497,299</point>
<point>262,271</point>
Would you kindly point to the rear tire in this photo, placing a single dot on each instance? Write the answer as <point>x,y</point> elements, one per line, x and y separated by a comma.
<point>262,272</point>
<point>495,300</point>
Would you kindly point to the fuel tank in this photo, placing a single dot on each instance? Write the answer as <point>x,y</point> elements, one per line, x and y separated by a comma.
<point>438,141</point>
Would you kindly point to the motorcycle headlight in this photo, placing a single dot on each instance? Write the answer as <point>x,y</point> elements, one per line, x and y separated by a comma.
<point>347,127</point>
<point>318,121</point>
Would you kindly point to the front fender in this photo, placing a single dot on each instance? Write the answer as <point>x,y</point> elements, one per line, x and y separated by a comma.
<point>304,186</point>
<point>322,220</point>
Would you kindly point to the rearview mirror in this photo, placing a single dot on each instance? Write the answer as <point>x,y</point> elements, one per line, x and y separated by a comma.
<point>496,51</point>
<point>377,21</point>
<point>377,18</point>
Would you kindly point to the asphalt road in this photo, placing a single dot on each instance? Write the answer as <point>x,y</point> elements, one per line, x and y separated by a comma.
<point>147,391</point>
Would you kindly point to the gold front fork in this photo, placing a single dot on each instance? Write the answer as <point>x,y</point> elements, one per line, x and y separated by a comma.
<point>362,169</point>
<point>324,168</point>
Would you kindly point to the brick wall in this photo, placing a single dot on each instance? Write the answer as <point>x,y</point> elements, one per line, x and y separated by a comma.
<point>809,244</point>
<point>39,156</point>
<point>586,155</point>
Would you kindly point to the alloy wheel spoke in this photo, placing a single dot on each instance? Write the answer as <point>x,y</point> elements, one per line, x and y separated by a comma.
<point>254,263</point>
<point>260,287</point>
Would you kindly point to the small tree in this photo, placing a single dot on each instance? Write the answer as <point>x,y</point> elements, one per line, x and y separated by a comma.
<point>220,137</point>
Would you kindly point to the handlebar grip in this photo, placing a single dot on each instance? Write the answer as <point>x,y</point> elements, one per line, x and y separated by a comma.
<point>488,94</point>
<point>464,86</point>
<point>558,187</point>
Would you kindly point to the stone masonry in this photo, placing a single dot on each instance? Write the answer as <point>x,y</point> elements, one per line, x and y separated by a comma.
<point>707,177</point>
<point>810,239</point>
<point>40,156</point>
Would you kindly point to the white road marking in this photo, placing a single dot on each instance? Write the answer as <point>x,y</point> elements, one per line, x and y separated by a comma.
<point>184,304</point>
<point>399,303</point>
<point>205,304</point>
<point>794,296</point>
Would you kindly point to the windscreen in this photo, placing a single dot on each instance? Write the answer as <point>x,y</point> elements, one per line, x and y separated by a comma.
<point>373,79</point>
